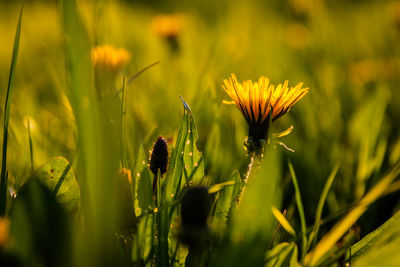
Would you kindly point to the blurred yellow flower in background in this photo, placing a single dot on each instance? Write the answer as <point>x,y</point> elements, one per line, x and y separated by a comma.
<point>261,103</point>
<point>109,57</point>
<point>167,26</point>
<point>108,62</point>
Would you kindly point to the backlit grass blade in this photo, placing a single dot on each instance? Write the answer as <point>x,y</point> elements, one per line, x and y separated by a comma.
<point>218,187</point>
<point>124,162</point>
<point>343,225</point>
<point>141,71</point>
<point>284,254</point>
<point>282,220</point>
<point>7,108</point>
<point>301,211</point>
<point>320,206</point>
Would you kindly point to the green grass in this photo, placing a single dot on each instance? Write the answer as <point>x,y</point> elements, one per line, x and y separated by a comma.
<point>57,104</point>
<point>7,110</point>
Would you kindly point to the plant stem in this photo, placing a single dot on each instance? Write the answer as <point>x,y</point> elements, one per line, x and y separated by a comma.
<point>246,178</point>
<point>30,146</point>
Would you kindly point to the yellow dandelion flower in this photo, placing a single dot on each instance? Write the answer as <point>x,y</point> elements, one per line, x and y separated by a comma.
<point>262,103</point>
<point>168,26</point>
<point>108,62</point>
<point>109,57</point>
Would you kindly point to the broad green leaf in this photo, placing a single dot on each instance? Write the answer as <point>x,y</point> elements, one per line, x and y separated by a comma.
<point>143,240</point>
<point>57,173</point>
<point>142,184</point>
<point>192,158</point>
<point>284,254</point>
<point>371,239</point>
<point>186,164</point>
<point>226,199</point>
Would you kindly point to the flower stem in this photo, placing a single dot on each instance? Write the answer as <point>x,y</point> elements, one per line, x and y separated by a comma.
<point>246,178</point>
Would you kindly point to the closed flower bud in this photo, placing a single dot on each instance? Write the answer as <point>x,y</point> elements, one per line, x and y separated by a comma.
<point>159,159</point>
<point>159,156</point>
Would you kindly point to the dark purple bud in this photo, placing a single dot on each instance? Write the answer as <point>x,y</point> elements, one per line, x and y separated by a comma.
<point>159,156</point>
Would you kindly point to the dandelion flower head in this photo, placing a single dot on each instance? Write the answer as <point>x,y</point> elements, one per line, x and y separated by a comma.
<point>109,57</point>
<point>261,102</point>
<point>167,26</point>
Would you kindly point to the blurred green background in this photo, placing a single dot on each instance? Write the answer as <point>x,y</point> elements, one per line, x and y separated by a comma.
<point>346,52</point>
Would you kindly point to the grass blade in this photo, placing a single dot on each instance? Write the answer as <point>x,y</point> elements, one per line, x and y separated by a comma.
<point>283,221</point>
<point>284,254</point>
<point>343,225</point>
<point>30,145</point>
<point>141,71</point>
<point>301,211</point>
<point>321,203</point>
<point>7,108</point>
<point>99,149</point>
<point>124,162</point>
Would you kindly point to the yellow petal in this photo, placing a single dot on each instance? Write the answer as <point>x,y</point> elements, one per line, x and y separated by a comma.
<point>284,133</point>
<point>227,102</point>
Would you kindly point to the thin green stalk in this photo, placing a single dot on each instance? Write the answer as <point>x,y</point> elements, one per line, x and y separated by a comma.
<point>157,221</point>
<point>30,145</point>
<point>158,201</point>
<point>160,242</point>
<point>163,221</point>
<point>141,71</point>
<point>123,115</point>
<point>246,178</point>
<point>301,211</point>
<point>156,237</point>
<point>3,181</point>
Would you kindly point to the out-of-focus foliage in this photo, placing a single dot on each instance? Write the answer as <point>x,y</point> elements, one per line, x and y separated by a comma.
<point>346,52</point>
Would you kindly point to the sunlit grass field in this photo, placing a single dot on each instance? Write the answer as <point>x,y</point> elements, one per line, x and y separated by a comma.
<point>88,87</point>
